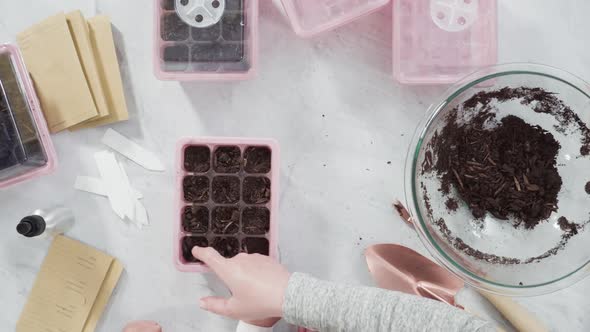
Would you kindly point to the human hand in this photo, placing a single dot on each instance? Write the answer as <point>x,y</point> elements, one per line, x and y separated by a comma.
<point>257,284</point>
<point>143,326</point>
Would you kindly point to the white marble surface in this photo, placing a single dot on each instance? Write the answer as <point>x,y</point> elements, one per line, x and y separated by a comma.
<point>339,117</point>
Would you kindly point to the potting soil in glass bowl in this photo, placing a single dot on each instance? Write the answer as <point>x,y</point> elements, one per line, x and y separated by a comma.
<point>498,179</point>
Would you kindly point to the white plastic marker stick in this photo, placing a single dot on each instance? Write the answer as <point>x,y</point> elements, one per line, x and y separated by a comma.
<point>110,172</point>
<point>96,186</point>
<point>141,215</point>
<point>132,150</point>
<point>130,198</point>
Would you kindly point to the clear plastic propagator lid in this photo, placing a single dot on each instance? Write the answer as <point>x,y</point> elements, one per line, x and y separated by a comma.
<point>205,39</point>
<point>26,150</point>
<point>441,41</point>
<point>310,17</point>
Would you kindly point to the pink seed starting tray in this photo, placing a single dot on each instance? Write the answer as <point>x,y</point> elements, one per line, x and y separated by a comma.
<point>211,40</point>
<point>26,150</point>
<point>441,41</point>
<point>311,17</point>
<point>227,198</point>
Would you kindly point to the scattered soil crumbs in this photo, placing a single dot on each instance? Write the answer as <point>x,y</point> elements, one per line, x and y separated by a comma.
<point>567,226</point>
<point>452,204</point>
<point>542,102</point>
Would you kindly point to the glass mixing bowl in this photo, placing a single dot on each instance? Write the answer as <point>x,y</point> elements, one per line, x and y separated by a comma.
<point>489,253</point>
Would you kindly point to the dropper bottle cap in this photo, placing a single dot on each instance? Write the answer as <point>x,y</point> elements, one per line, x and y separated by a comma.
<point>31,226</point>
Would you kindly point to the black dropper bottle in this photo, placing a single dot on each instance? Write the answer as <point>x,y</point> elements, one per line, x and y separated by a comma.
<point>46,222</point>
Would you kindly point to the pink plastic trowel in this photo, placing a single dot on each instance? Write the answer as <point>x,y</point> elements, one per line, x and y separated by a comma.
<point>402,269</point>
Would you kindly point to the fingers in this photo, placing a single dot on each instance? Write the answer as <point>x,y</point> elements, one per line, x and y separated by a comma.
<point>216,305</point>
<point>143,326</point>
<point>269,322</point>
<point>210,257</point>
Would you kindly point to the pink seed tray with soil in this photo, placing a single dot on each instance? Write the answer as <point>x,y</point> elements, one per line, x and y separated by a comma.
<point>224,51</point>
<point>26,149</point>
<point>226,198</point>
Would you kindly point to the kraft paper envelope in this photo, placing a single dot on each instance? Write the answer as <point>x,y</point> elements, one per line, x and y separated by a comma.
<point>103,295</point>
<point>52,60</point>
<point>81,36</point>
<point>103,46</point>
<point>71,289</point>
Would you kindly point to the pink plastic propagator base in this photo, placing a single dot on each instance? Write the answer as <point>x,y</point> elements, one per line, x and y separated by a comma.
<point>213,143</point>
<point>441,41</point>
<point>311,17</point>
<point>187,69</point>
<point>30,96</point>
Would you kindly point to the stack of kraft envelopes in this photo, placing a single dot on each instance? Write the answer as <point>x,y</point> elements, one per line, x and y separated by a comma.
<point>75,70</point>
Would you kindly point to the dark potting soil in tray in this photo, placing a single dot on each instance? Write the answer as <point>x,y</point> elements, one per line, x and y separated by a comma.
<point>509,170</point>
<point>226,206</point>
<point>226,189</point>
<point>227,159</point>
<point>196,189</point>
<point>256,220</point>
<point>221,42</point>
<point>226,219</point>
<point>254,245</point>
<point>188,243</point>
<point>195,219</point>
<point>256,190</point>
<point>227,246</point>
<point>197,159</point>
<point>8,137</point>
<point>257,160</point>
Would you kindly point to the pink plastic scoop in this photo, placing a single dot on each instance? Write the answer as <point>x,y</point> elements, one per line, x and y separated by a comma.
<point>402,269</point>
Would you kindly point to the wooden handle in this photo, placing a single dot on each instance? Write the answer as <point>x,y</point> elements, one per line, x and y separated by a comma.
<point>516,314</point>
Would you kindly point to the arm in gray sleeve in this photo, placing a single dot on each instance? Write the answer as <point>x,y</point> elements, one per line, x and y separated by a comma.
<point>325,306</point>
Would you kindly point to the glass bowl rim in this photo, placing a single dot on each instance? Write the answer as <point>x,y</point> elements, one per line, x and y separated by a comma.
<point>410,186</point>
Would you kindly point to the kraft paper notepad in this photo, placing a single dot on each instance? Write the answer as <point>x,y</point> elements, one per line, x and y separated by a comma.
<point>52,60</point>
<point>81,36</point>
<point>71,289</point>
<point>103,47</point>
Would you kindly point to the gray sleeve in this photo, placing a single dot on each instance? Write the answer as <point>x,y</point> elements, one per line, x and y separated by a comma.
<point>327,307</point>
